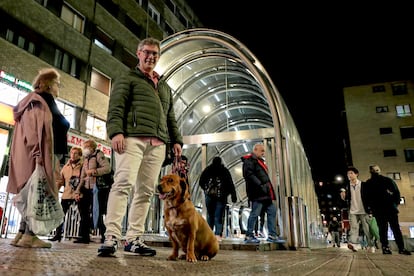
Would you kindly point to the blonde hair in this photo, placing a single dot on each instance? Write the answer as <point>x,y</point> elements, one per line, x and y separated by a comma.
<point>45,79</point>
<point>90,143</point>
<point>79,150</point>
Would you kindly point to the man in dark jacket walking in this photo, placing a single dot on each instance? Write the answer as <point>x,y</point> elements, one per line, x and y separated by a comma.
<point>260,193</point>
<point>219,176</point>
<point>383,198</point>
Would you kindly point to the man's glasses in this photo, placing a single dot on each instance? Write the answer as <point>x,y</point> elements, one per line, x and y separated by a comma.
<point>149,53</point>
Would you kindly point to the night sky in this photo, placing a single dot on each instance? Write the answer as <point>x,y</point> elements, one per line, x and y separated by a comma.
<point>311,51</point>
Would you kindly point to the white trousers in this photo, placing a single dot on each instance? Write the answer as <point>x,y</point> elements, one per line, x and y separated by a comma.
<point>137,173</point>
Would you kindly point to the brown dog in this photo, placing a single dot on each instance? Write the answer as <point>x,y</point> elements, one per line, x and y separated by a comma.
<point>187,229</point>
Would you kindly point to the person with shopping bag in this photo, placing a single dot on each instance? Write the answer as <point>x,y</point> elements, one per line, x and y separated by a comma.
<point>39,142</point>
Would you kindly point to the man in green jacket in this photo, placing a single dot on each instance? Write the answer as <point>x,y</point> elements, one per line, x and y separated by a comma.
<point>140,122</point>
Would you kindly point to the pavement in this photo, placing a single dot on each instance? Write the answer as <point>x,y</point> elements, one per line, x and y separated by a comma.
<point>234,258</point>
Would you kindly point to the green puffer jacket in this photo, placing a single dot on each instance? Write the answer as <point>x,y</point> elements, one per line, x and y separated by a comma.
<point>137,108</point>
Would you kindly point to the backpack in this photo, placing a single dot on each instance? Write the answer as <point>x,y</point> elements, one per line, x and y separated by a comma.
<point>214,187</point>
<point>104,181</point>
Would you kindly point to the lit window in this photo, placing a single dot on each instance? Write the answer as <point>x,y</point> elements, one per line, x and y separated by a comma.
<point>411,177</point>
<point>103,40</point>
<point>403,110</point>
<point>96,127</point>
<point>67,111</point>
<point>395,176</point>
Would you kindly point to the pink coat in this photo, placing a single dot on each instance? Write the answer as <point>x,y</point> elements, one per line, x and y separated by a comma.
<point>32,140</point>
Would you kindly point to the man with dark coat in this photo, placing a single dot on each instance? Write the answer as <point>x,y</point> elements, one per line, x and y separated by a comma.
<point>260,193</point>
<point>383,198</point>
<point>217,174</point>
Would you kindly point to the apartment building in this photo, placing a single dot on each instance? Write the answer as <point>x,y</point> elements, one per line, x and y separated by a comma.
<point>381,131</point>
<point>91,42</point>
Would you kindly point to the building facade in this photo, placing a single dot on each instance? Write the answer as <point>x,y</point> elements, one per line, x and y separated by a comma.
<point>90,42</point>
<point>381,131</point>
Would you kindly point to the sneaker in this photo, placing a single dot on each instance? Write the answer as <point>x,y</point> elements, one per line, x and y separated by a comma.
<point>109,247</point>
<point>251,239</point>
<point>371,249</point>
<point>138,246</point>
<point>261,235</point>
<point>351,247</point>
<point>386,250</point>
<point>275,239</point>
<point>18,236</point>
<point>404,252</point>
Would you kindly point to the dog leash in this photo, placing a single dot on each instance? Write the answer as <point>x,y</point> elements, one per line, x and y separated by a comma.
<point>178,169</point>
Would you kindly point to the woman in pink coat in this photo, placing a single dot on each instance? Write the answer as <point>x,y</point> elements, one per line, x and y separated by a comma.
<point>39,137</point>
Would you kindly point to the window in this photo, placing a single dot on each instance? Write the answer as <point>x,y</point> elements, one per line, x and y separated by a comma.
<point>110,7</point>
<point>153,13</point>
<point>385,130</point>
<point>182,19</point>
<point>73,18</point>
<point>390,153</point>
<point>9,35</point>
<point>100,82</point>
<point>65,62</point>
<point>409,155</point>
<point>96,127</point>
<point>171,5</point>
<point>381,109</point>
<point>21,40</point>
<point>128,58</point>
<point>103,40</point>
<point>411,177</point>
<point>132,26</point>
<point>399,88</point>
<point>407,132</point>
<point>168,29</point>
<point>403,110</point>
<point>394,175</point>
<point>67,111</point>
<point>378,88</point>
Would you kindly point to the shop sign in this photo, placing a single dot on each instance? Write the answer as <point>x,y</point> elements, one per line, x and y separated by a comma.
<point>76,140</point>
<point>8,78</point>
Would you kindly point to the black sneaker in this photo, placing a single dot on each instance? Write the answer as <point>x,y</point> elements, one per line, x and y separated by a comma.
<point>108,248</point>
<point>138,246</point>
<point>404,252</point>
<point>386,250</point>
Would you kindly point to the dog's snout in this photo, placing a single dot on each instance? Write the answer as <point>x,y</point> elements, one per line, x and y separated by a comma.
<point>159,188</point>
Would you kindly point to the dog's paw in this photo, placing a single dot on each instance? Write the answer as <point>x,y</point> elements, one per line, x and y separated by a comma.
<point>191,258</point>
<point>205,258</point>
